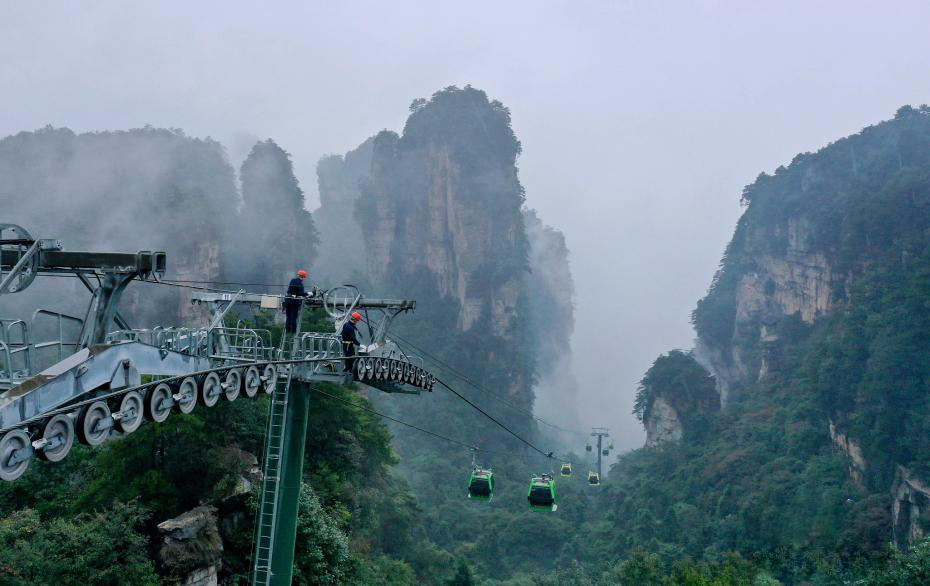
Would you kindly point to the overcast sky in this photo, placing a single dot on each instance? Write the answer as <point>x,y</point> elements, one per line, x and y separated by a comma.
<point>640,121</point>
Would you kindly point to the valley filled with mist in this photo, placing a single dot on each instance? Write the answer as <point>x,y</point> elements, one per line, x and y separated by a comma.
<point>786,445</point>
<point>670,265</point>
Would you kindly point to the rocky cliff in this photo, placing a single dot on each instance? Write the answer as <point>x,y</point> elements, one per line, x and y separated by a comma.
<point>551,295</point>
<point>437,213</point>
<point>142,189</point>
<point>342,247</point>
<point>673,396</point>
<point>808,231</point>
<point>442,205</point>
<point>819,313</point>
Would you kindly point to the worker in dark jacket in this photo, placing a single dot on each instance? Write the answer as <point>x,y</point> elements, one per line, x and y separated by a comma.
<point>350,340</point>
<point>292,302</point>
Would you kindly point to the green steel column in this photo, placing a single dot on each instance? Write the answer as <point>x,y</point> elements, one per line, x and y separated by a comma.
<point>292,469</point>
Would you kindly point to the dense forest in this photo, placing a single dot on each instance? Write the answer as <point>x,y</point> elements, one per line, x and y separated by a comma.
<point>788,446</point>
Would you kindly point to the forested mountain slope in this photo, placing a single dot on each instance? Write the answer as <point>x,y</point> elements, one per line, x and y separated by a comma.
<point>807,452</point>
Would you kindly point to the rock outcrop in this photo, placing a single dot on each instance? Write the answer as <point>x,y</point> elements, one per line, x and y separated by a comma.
<point>797,279</point>
<point>428,211</point>
<point>853,452</point>
<point>191,547</point>
<point>551,292</point>
<point>675,392</point>
<point>910,508</point>
<point>342,254</point>
<point>439,211</point>
<point>141,189</point>
<point>663,423</point>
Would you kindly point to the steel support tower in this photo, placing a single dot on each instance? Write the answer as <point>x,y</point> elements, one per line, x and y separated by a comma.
<point>600,433</point>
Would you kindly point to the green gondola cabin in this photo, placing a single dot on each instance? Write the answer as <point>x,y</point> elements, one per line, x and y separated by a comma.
<point>481,484</point>
<point>541,494</point>
<point>566,469</point>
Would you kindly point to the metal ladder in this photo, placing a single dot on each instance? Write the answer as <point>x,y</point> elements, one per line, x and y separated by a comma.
<point>268,497</point>
<point>271,478</point>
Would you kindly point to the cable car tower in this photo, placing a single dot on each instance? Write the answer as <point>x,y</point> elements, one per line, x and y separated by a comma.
<point>600,433</point>
<point>93,389</point>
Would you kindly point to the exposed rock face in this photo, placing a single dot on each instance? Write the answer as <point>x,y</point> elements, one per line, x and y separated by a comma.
<point>203,264</point>
<point>910,508</point>
<point>675,391</point>
<point>437,213</point>
<point>424,213</point>
<point>663,423</point>
<point>853,452</point>
<point>191,547</point>
<point>342,246</point>
<point>551,291</point>
<point>142,189</point>
<point>794,280</point>
<point>798,281</point>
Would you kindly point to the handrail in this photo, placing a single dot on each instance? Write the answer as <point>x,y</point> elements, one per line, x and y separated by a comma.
<point>8,362</point>
<point>60,319</point>
<point>13,347</point>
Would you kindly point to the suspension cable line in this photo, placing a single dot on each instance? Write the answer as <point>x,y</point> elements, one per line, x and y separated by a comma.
<point>491,417</point>
<point>420,429</point>
<point>458,374</point>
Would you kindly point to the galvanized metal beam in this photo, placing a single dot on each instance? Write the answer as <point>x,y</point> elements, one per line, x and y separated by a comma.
<point>274,301</point>
<point>143,262</point>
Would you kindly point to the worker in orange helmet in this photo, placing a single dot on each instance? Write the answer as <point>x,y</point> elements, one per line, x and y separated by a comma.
<point>350,339</point>
<point>295,290</point>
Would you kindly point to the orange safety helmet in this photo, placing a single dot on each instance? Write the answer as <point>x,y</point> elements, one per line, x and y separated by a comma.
<point>302,274</point>
<point>356,316</point>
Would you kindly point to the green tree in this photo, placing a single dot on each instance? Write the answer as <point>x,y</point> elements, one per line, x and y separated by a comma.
<point>322,549</point>
<point>91,548</point>
<point>463,575</point>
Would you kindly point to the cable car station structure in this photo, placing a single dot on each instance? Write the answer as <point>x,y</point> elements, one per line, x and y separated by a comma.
<point>109,379</point>
<point>107,382</point>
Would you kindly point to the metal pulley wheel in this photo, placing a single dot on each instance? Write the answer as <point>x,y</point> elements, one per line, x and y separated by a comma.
<point>59,435</point>
<point>187,395</point>
<point>16,241</point>
<point>359,368</point>
<point>369,368</point>
<point>158,403</point>
<point>130,410</point>
<point>271,378</point>
<point>233,384</point>
<point>91,425</point>
<point>211,389</point>
<point>379,369</point>
<point>395,370</point>
<point>251,381</point>
<point>13,462</point>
